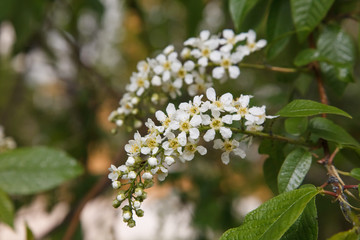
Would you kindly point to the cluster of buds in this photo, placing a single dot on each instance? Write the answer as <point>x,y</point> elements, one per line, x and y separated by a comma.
<point>178,137</point>
<point>6,143</point>
<point>168,73</point>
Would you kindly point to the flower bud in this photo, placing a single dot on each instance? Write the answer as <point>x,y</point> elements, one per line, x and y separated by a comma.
<point>137,204</point>
<point>139,213</point>
<point>169,160</point>
<point>116,203</point>
<point>138,192</point>
<point>131,223</point>
<point>120,197</point>
<point>126,216</point>
<point>116,184</point>
<point>152,161</point>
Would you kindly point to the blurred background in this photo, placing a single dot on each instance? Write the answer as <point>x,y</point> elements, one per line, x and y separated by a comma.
<point>63,68</point>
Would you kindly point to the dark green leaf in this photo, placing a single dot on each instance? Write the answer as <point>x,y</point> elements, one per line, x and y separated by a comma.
<point>306,224</point>
<point>305,108</point>
<point>273,218</point>
<point>239,9</point>
<point>302,83</point>
<point>294,170</point>
<point>273,163</point>
<point>32,170</point>
<point>307,56</point>
<point>326,129</point>
<point>355,173</point>
<point>347,235</point>
<point>336,46</point>
<point>329,74</point>
<point>278,27</point>
<point>296,126</point>
<point>6,209</point>
<point>307,14</point>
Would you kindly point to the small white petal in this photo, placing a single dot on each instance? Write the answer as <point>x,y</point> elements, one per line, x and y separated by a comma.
<point>160,116</point>
<point>218,144</point>
<point>225,132</point>
<point>227,119</point>
<point>215,56</point>
<point>196,120</point>
<point>239,152</point>
<point>204,35</point>
<point>203,61</point>
<point>152,161</point>
<point>261,43</point>
<point>211,94</point>
<point>194,133</point>
<point>202,150</point>
<point>218,72</point>
<point>234,72</point>
<point>169,160</point>
<point>182,138</point>
<point>225,158</point>
<point>209,135</point>
<point>189,65</point>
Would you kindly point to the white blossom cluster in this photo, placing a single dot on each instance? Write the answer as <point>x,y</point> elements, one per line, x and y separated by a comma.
<point>168,73</point>
<point>6,143</point>
<point>178,137</point>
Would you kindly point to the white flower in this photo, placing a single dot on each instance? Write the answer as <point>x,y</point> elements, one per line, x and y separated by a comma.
<point>151,143</point>
<point>216,124</point>
<point>224,103</point>
<point>147,176</point>
<point>190,149</point>
<point>164,119</point>
<point>187,125</point>
<point>173,144</point>
<point>139,82</point>
<point>257,115</point>
<point>199,86</point>
<point>251,44</point>
<point>173,88</point>
<point>204,47</point>
<point>152,161</point>
<point>133,148</point>
<point>169,160</point>
<point>183,72</point>
<point>241,105</point>
<point>152,128</point>
<point>230,39</point>
<point>130,161</point>
<point>165,64</point>
<point>229,146</point>
<point>114,173</point>
<point>226,62</point>
<point>131,175</point>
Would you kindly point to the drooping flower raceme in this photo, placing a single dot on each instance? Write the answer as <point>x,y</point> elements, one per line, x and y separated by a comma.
<point>180,135</point>
<point>169,73</point>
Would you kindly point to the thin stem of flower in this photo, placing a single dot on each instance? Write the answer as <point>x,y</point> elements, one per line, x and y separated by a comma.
<point>343,173</point>
<point>329,193</point>
<point>271,68</point>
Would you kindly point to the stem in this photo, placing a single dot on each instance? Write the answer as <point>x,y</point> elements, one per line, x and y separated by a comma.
<point>344,173</point>
<point>269,67</point>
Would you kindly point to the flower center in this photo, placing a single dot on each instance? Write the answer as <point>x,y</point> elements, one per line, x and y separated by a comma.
<point>140,82</point>
<point>134,149</point>
<point>185,126</point>
<point>173,143</point>
<point>205,52</point>
<point>216,124</point>
<point>228,146</point>
<point>194,110</point>
<point>166,122</point>
<point>251,45</point>
<point>190,148</point>
<point>242,111</point>
<point>226,63</point>
<point>218,104</point>
<point>181,73</point>
<point>167,65</point>
<point>151,142</point>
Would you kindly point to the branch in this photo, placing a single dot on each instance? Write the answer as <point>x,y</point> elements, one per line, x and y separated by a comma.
<point>271,68</point>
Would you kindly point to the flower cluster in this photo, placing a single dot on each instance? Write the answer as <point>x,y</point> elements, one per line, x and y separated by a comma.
<point>178,137</point>
<point>6,143</point>
<point>168,73</point>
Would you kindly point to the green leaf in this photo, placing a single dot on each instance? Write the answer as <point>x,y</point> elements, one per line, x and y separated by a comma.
<point>239,9</point>
<point>305,108</point>
<point>329,75</point>
<point>294,170</point>
<point>32,170</point>
<point>303,82</point>
<point>279,27</point>
<point>336,46</point>
<point>29,233</point>
<point>307,14</point>
<point>326,129</point>
<point>355,173</point>
<point>306,224</point>
<point>6,209</point>
<point>296,126</point>
<point>273,218</point>
<point>347,235</point>
<point>273,163</point>
<point>307,56</point>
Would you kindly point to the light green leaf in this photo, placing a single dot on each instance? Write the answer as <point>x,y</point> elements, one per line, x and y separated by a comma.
<point>273,218</point>
<point>305,108</point>
<point>347,235</point>
<point>306,224</point>
<point>355,173</point>
<point>279,27</point>
<point>239,9</point>
<point>296,126</point>
<point>307,14</point>
<point>294,170</point>
<point>32,170</point>
<point>307,56</point>
<point>326,129</point>
<point>6,209</point>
